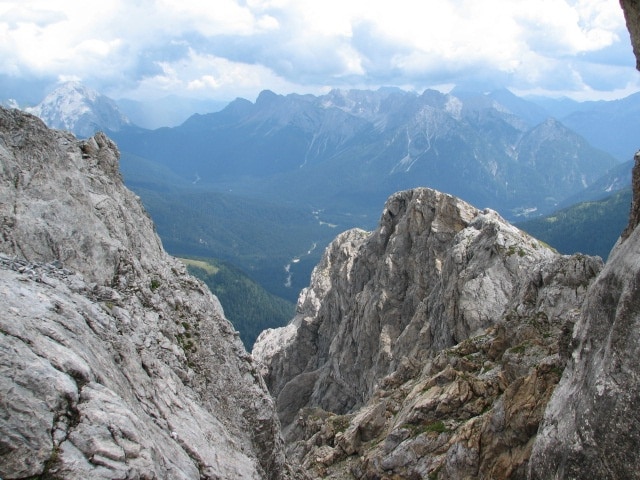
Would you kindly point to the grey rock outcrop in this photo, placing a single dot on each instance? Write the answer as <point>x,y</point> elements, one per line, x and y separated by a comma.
<point>470,412</point>
<point>427,347</point>
<point>591,427</point>
<point>114,362</point>
<point>435,271</point>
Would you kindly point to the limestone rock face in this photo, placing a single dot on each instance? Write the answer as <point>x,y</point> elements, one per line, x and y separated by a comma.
<point>114,362</point>
<point>473,410</point>
<point>434,272</point>
<point>631,10</point>
<point>427,348</point>
<point>64,200</point>
<point>591,427</point>
<point>592,424</point>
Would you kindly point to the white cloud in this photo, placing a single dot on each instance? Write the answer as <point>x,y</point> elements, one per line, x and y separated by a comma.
<point>226,46</point>
<point>16,13</point>
<point>210,76</point>
<point>222,17</point>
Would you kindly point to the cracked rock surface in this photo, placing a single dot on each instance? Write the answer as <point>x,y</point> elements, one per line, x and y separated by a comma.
<point>114,362</point>
<point>434,272</point>
<point>591,428</point>
<point>428,348</point>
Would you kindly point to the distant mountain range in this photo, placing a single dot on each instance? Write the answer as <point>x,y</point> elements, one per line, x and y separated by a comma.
<point>609,125</point>
<point>346,151</point>
<point>267,184</point>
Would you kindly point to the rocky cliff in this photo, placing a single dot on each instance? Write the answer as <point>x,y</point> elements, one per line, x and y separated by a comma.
<point>114,363</point>
<point>591,427</point>
<point>427,348</point>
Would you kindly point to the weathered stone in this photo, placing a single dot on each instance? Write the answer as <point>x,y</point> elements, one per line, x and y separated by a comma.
<point>440,332</point>
<point>434,272</point>
<point>592,424</point>
<point>591,427</point>
<point>114,362</point>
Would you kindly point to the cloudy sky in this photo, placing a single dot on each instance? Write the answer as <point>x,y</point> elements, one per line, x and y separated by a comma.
<point>222,49</point>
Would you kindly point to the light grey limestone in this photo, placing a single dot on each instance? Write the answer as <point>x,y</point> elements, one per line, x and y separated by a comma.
<point>434,272</point>
<point>114,362</point>
<point>591,426</point>
<point>428,348</point>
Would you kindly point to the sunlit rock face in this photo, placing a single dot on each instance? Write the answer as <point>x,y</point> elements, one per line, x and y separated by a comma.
<point>80,110</point>
<point>429,346</point>
<point>591,427</point>
<point>436,271</point>
<point>114,362</point>
<point>631,10</point>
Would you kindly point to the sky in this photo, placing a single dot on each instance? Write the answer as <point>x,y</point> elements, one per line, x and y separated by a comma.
<point>223,49</point>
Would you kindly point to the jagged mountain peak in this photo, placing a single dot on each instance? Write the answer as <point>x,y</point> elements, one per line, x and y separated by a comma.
<point>76,87</point>
<point>363,103</point>
<point>75,107</point>
<point>412,338</point>
<point>435,265</point>
<point>364,145</point>
<point>266,97</point>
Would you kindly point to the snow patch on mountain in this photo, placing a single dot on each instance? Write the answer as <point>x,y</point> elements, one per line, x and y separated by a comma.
<point>74,107</point>
<point>10,103</point>
<point>454,107</point>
